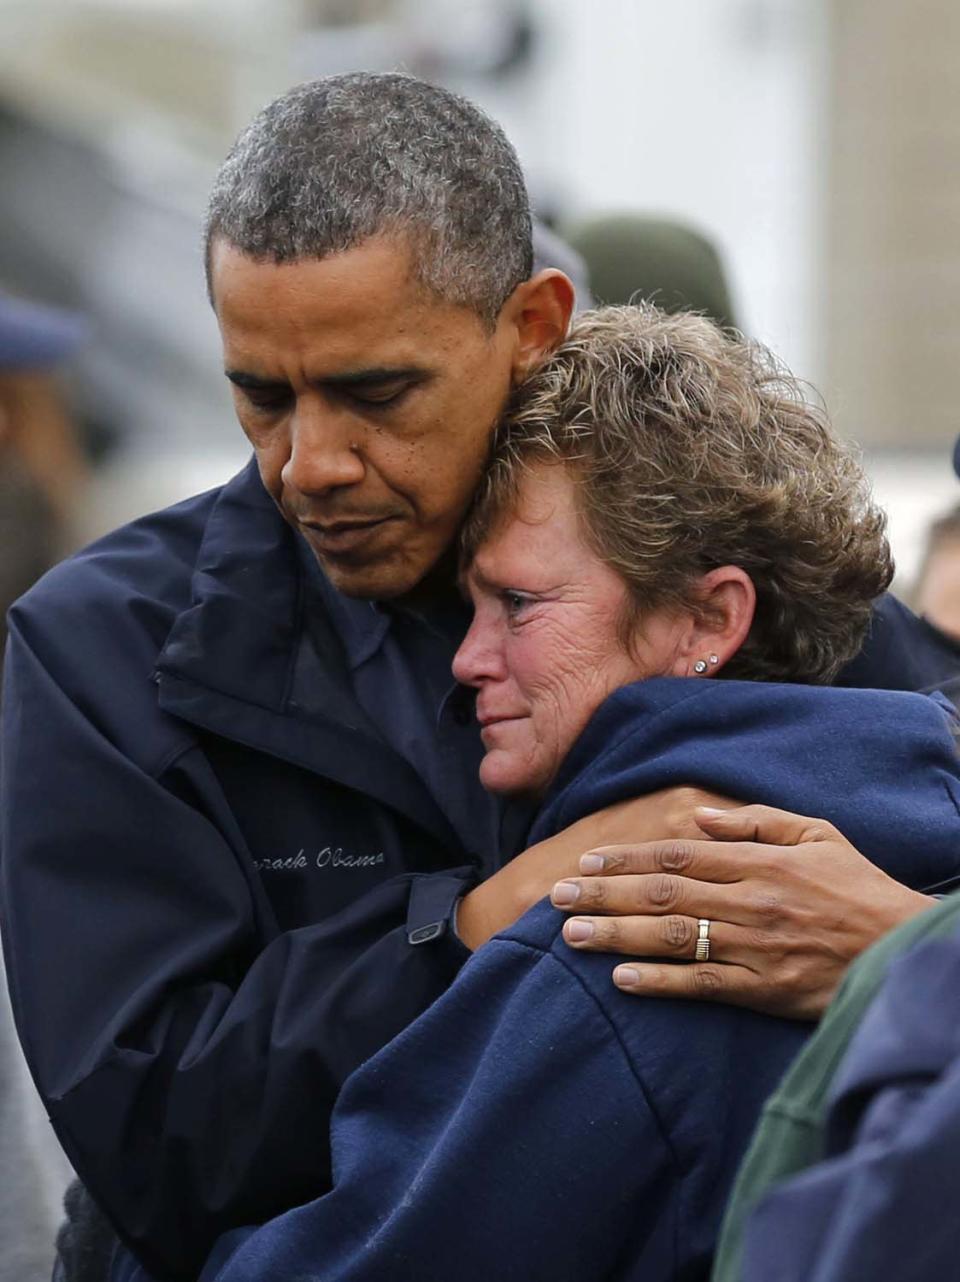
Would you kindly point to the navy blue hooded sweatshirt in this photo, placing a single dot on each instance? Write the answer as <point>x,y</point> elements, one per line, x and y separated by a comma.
<point>536,1123</point>
<point>215,872</point>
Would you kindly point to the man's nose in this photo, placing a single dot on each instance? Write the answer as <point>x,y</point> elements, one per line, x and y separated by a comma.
<point>480,657</point>
<point>325,450</point>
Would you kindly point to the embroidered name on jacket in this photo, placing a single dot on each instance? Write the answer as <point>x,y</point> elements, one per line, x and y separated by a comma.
<point>328,857</point>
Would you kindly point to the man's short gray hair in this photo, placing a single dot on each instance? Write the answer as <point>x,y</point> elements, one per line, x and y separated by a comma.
<point>335,161</point>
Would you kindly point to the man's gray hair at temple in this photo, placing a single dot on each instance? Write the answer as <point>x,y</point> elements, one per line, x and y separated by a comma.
<point>335,161</point>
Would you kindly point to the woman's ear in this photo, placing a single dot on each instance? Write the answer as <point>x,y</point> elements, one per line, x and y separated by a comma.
<point>727,600</point>
<point>540,309</point>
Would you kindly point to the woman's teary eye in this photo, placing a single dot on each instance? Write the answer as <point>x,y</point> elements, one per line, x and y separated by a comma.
<point>515,601</point>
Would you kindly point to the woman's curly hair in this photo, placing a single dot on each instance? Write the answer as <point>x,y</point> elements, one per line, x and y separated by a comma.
<point>692,448</point>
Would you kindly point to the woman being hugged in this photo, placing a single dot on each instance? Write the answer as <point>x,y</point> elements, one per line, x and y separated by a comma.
<point>671,558</point>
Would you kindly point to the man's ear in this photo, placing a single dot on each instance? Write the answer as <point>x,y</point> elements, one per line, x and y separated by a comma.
<point>539,309</point>
<point>727,600</point>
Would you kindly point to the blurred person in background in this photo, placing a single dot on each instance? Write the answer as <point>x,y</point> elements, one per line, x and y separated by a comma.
<point>42,474</point>
<point>244,843</point>
<point>937,593</point>
<point>43,471</point>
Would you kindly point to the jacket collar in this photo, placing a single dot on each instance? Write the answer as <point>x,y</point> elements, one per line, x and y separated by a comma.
<point>230,660</point>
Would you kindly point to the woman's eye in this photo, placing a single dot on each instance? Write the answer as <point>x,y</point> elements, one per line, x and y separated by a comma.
<point>515,602</point>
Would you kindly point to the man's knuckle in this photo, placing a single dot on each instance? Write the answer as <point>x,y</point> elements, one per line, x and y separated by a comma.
<point>767,942</point>
<point>789,978</point>
<point>768,907</point>
<point>595,893</point>
<point>664,891</point>
<point>608,934</point>
<point>677,933</point>
<point>820,830</point>
<point>674,856</point>
<point>707,981</point>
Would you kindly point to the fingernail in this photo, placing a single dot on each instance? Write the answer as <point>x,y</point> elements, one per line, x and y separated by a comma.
<point>710,811</point>
<point>565,893</point>
<point>625,977</point>
<point>592,863</point>
<point>578,931</point>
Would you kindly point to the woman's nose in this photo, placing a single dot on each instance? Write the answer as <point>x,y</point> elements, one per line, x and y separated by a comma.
<point>480,657</point>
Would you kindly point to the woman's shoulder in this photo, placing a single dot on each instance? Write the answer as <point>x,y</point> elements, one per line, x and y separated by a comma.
<point>881,765</point>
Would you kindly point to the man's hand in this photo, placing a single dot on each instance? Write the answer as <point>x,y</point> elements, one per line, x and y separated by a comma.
<point>506,896</point>
<point>789,900</point>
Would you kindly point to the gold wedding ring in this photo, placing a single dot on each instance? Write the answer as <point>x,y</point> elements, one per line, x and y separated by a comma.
<point>703,940</point>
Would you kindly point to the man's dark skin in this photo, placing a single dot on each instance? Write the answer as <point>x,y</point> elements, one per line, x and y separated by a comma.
<point>791,902</point>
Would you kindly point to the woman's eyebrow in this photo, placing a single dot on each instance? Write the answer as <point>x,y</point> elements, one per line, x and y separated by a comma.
<point>471,573</point>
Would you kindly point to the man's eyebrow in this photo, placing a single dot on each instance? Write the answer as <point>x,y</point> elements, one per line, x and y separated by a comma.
<point>251,382</point>
<point>374,377</point>
<point>377,375</point>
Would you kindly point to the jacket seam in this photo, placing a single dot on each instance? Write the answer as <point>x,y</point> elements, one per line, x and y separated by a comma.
<point>167,761</point>
<point>949,791</point>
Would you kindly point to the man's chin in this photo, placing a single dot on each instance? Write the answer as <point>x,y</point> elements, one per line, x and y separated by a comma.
<point>373,581</point>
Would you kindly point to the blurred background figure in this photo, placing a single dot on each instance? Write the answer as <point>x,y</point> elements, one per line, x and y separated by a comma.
<point>42,477</point>
<point>809,143</point>
<point>936,590</point>
<point>937,594</point>
<point>43,472</point>
<point>631,256</point>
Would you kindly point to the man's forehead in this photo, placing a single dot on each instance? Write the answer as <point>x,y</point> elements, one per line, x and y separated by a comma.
<point>342,314</point>
<point>375,265</point>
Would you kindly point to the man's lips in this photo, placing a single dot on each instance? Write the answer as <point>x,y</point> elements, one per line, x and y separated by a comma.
<point>343,534</point>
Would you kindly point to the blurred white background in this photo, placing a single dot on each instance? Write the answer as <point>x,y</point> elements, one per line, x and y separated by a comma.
<point>814,141</point>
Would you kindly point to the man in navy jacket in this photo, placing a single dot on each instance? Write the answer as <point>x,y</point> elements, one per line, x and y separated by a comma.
<point>239,804</point>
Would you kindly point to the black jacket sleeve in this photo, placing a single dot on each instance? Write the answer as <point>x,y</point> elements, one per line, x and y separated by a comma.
<point>189,1053</point>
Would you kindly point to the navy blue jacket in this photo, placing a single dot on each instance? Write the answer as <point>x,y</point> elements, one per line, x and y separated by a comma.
<point>213,868</point>
<point>211,872</point>
<point>538,1124</point>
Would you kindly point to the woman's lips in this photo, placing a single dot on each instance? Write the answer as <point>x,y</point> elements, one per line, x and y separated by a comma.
<point>490,724</point>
